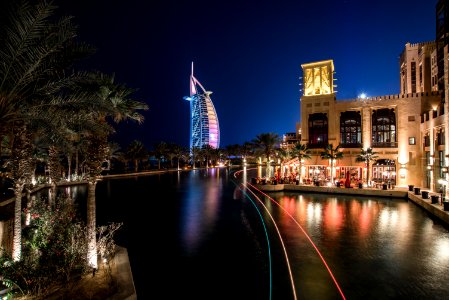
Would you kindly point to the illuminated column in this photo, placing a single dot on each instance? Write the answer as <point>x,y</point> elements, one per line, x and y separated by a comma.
<point>366,127</point>
<point>402,167</point>
<point>445,116</point>
<point>432,153</point>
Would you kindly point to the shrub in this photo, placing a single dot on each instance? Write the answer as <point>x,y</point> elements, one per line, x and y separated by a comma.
<point>54,248</point>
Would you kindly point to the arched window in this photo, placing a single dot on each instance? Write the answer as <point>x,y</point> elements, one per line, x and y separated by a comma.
<point>317,130</point>
<point>384,128</point>
<point>351,129</point>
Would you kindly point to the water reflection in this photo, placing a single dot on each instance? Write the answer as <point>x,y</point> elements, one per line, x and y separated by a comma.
<point>206,227</point>
<point>199,209</point>
<point>387,242</point>
<point>72,193</point>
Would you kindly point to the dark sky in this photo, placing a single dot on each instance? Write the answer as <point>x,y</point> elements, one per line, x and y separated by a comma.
<point>248,53</point>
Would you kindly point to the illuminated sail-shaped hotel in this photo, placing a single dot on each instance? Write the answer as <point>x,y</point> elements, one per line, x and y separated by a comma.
<point>204,128</point>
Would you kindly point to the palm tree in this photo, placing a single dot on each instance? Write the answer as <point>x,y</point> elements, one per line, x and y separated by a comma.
<point>332,154</point>
<point>136,151</point>
<point>179,153</point>
<point>112,102</point>
<point>207,151</point>
<point>40,156</point>
<point>55,168</point>
<point>21,167</point>
<point>98,153</point>
<point>246,150</point>
<point>266,142</point>
<point>39,92</point>
<point>195,153</point>
<point>36,52</point>
<point>302,152</point>
<point>160,152</point>
<point>231,152</point>
<point>115,154</point>
<point>170,153</point>
<point>283,154</point>
<point>367,156</point>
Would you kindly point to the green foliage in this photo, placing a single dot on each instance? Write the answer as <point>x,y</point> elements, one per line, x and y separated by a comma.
<point>301,151</point>
<point>331,153</point>
<point>54,248</point>
<point>98,151</point>
<point>266,143</point>
<point>367,156</point>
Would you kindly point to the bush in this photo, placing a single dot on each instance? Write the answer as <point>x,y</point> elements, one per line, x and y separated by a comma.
<point>54,248</point>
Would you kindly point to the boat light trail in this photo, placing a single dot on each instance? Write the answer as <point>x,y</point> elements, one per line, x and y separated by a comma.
<point>267,237</point>
<point>307,236</point>
<point>277,230</point>
<point>282,242</point>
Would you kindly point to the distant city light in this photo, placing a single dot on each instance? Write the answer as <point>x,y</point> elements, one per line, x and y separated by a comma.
<point>362,96</point>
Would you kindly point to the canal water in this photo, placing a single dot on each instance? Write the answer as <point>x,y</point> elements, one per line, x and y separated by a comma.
<point>206,234</point>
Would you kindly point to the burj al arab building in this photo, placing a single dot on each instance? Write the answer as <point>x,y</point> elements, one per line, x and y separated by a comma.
<point>204,128</point>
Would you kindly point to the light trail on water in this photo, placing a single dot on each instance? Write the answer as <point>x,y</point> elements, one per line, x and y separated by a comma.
<point>247,186</point>
<point>267,237</point>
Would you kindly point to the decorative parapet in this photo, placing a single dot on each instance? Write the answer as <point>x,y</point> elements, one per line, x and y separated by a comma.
<point>422,44</point>
<point>390,97</point>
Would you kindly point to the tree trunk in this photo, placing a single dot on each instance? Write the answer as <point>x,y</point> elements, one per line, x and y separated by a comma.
<point>21,171</point>
<point>69,163</point>
<point>98,150</point>
<point>33,175</point>
<point>54,164</point>
<point>91,225</point>
<point>76,163</point>
<point>332,171</point>
<point>17,238</point>
<point>367,174</point>
<point>52,193</point>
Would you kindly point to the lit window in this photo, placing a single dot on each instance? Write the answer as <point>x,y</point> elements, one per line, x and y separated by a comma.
<point>411,141</point>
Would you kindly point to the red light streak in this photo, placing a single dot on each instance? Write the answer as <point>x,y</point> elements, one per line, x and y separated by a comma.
<point>282,242</point>
<point>307,236</point>
<point>300,227</point>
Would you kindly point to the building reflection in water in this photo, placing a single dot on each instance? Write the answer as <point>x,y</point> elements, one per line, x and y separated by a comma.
<point>200,208</point>
<point>360,221</point>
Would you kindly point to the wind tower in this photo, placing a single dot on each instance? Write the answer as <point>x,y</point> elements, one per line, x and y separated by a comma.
<point>204,127</point>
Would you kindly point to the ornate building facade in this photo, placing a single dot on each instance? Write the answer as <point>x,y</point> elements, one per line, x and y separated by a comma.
<point>409,131</point>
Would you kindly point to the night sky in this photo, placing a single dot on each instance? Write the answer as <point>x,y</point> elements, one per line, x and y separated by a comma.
<point>248,53</point>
